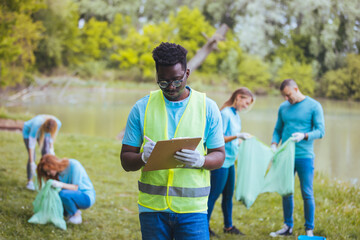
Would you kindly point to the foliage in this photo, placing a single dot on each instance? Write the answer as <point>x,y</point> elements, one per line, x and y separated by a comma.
<point>302,73</point>
<point>253,73</point>
<point>96,39</point>
<point>331,28</point>
<point>115,215</point>
<point>61,40</point>
<point>133,49</point>
<point>229,56</point>
<point>91,69</point>
<point>268,40</point>
<point>19,36</point>
<point>104,10</point>
<point>190,27</point>
<point>187,27</point>
<point>343,83</point>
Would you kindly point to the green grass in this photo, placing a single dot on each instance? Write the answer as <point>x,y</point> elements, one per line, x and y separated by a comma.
<point>4,113</point>
<point>114,215</point>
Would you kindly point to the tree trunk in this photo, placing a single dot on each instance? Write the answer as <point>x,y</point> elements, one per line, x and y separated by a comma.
<point>211,45</point>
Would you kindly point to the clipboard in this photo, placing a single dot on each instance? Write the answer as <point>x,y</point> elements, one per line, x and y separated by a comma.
<point>162,157</point>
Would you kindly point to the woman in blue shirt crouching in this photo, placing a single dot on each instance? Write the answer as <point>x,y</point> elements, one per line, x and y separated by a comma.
<point>69,175</point>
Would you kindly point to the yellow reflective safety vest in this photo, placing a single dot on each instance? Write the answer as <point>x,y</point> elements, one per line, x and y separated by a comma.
<point>182,190</point>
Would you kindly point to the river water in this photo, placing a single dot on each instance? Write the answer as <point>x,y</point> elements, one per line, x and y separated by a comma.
<point>103,112</point>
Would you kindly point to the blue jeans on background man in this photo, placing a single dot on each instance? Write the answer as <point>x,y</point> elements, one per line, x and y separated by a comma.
<point>305,169</point>
<point>165,225</point>
<point>222,182</point>
<point>73,200</point>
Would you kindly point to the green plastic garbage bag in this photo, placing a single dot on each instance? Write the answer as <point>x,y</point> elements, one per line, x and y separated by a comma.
<point>253,161</point>
<point>280,177</point>
<point>48,207</point>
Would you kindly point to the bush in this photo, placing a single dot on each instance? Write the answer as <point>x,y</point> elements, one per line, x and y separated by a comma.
<point>302,73</point>
<point>91,69</point>
<point>343,83</point>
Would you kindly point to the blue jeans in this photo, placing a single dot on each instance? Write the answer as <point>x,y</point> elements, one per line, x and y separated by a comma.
<point>73,200</point>
<point>222,182</point>
<point>163,225</point>
<point>305,169</point>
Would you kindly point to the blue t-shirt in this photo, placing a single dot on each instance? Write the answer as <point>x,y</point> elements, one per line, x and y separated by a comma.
<point>75,174</point>
<point>231,126</point>
<point>31,127</point>
<point>213,135</point>
<point>306,117</point>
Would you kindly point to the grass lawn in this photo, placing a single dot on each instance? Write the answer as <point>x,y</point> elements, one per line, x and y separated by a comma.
<point>115,215</point>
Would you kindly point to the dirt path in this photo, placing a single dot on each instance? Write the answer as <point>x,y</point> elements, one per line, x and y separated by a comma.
<point>11,125</point>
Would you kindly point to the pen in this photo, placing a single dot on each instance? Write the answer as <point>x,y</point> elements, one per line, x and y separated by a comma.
<point>147,138</point>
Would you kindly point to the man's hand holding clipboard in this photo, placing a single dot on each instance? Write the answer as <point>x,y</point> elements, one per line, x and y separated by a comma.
<point>191,158</point>
<point>174,153</point>
<point>147,150</point>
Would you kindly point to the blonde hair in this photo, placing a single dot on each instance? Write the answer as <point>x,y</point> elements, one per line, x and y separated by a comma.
<point>243,91</point>
<point>50,162</point>
<point>49,126</point>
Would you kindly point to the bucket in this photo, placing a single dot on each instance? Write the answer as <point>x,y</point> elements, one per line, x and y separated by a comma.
<point>302,237</point>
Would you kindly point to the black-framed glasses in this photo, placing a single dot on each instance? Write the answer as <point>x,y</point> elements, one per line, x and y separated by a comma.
<point>174,82</point>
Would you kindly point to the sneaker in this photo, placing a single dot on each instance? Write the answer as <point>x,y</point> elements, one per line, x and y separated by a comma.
<point>285,231</point>
<point>76,218</point>
<point>309,232</point>
<point>30,185</point>
<point>233,230</point>
<point>212,233</point>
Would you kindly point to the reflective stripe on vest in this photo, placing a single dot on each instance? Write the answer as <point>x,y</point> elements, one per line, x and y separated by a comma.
<point>174,191</point>
<point>182,190</point>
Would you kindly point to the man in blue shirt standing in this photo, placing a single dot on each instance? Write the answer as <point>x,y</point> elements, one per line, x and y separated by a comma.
<point>301,118</point>
<point>173,202</point>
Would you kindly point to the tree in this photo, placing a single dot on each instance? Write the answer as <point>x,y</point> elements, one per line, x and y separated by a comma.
<point>343,83</point>
<point>19,36</point>
<point>253,73</point>
<point>302,73</point>
<point>61,42</point>
<point>104,10</point>
<point>331,27</point>
<point>96,39</point>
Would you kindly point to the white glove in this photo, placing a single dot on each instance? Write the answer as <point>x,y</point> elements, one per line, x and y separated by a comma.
<point>191,158</point>
<point>297,137</point>
<point>243,136</point>
<point>52,152</point>
<point>57,184</point>
<point>33,168</point>
<point>273,147</point>
<point>148,148</point>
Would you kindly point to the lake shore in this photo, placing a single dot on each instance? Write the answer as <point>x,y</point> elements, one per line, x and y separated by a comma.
<point>115,213</point>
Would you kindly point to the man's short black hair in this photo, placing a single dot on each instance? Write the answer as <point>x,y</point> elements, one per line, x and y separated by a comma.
<point>169,54</point>
<point>288,83</point>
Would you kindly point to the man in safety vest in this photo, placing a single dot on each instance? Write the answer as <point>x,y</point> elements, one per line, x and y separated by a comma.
<point>301,118</point>
<point>173,202</point>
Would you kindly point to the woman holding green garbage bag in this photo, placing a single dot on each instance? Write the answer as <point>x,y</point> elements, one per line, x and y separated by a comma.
<point>77,191</point>
<point>223,179</point>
